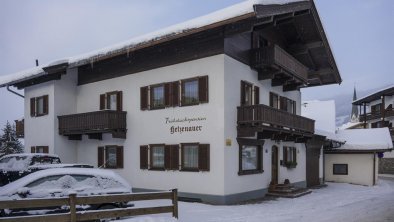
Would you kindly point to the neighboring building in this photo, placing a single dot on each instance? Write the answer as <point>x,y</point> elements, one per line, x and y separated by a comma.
<point>210,106</point>
<point>357,160</point>
<point>350,155</point>
<point>376,112</point>
<point>354,122</point>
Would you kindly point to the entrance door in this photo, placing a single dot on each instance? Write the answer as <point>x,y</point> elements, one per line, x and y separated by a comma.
<point>274,167</point>
<point>312,166</point>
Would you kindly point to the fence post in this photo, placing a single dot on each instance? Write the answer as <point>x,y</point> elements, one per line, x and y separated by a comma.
<point>175,203</point>
<point>73,211</point>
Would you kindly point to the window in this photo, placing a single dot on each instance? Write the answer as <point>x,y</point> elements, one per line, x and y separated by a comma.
<point>157,156</point>
<point>250,157</point>
<point>289,157</point>
<point>39,106</point>
<point>171,94</point>
<point>376,108</point>
<point>110,157</point>
<point>162,157</point>
<point>190,156</point>
<point>111,101</point>
<point>249,94</point>
<point>194,157</point>
<point>157,96</point>
<point>340,169</point>
<point>291,106</point>
<point>39,149</point>
<point>274,100</point>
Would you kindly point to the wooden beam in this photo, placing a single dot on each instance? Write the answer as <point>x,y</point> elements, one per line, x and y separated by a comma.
<point>291,87</point>
<point>75,137</point>
<point>298,49</point>
<point>97,136</point>
<point>267,74</point>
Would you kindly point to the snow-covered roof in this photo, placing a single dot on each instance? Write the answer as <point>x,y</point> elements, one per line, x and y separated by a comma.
<point>231,12</point>
<point>349,125</point>
<point>323,112</point>
<point>329,135</point>
<point>375,95</point>
<point>365,139</point>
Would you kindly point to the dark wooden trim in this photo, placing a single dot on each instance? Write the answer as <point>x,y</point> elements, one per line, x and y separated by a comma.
<point>259,146</point>
<point>342,151</point>
<point>144,157</point>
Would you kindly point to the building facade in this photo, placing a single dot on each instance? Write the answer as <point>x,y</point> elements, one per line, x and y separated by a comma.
<point>377,112</point>
<point>213,110</point>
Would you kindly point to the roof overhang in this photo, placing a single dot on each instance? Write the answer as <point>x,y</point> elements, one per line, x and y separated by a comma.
<point>351,151</point>
<point>375,96</point>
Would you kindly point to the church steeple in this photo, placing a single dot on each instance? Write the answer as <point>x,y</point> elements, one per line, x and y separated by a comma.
<point>354,114</point>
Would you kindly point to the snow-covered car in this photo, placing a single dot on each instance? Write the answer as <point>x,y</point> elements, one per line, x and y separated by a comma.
<point>60,182</point>
<point>15,166</point>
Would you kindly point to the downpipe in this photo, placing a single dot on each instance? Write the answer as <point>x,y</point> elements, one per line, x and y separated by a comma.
<point>9,90</point>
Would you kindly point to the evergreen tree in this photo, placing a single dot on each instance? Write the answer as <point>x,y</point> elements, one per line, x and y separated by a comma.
<point>9,143</point>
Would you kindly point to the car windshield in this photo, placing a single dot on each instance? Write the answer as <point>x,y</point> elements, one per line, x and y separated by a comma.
<point>45,160</point>
<point>14,163</point>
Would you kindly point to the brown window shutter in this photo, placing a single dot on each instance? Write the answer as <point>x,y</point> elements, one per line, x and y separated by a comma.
<point>167,157</point>
<point>243,85</point>
<point>271,99</point>
<point>283,103</point>
<point>144,97</point>
<point>45,101</point>
<point>33,106</point>
<point>100,157</point>
<point>203,157</point>
<point>119,157</point>
<point>256,95</point>
<point>102,101</point>
<point>203,89</point>
<point>284,155</point>
<point>45,149</point>
<point>167,94</point>
<point>175,93</point>
<point>174,157</point>
<point>143,157</point>
<point>294,155</point>
<point>119,101</point>
<point>294,107</point>
<point>33,149</point>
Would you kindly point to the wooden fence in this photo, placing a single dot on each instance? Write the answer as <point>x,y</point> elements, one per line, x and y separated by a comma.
<point>73,215</point>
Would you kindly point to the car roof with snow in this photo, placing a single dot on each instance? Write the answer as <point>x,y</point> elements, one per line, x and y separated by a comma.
<point>22,182</point>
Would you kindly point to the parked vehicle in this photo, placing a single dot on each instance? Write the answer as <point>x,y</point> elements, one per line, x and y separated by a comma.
<point>15,166</point>
<point>59,182</point>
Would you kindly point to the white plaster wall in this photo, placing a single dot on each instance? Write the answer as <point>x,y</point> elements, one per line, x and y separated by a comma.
<point>149,127</point>
<point>321,163</point>
<point>39,131</point>
<point>234,72</point>
<point>360,168</point>
<point>65,103</point>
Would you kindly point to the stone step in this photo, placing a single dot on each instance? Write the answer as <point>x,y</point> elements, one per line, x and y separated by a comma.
<point>300,192</point>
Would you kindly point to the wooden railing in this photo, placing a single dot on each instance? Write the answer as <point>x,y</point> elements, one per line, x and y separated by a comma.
<point>99,121</point>
<point>376,115</point>
<point>262,114</point>
<point>73,215</point>
<point>275,56</point>
<point>20,128</point>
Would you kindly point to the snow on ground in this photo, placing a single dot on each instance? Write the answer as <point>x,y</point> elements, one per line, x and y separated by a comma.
<point>336,202</point>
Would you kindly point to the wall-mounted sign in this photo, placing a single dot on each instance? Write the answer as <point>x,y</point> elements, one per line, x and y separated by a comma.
<point>192,124</point>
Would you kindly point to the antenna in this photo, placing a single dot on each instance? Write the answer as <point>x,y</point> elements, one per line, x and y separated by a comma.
<point>36,62</point>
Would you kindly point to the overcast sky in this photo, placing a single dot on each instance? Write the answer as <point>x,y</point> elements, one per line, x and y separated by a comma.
<point>360,33</point>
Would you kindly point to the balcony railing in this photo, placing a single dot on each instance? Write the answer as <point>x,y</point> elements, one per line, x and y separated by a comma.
<point>261,114</point>
<point>92,122</point>
<point>277,58</point>
<point>376,115</point>
<point>20,128</point>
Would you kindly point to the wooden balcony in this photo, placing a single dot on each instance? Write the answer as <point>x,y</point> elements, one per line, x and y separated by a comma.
<point>20,128</point>
<point>93,124</point>
<point>275,63</point>
<point>377,115</point>
<point>277,124</point>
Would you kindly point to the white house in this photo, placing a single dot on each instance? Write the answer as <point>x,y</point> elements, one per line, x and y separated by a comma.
<point>210,106</point>
<point>357,160</point>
